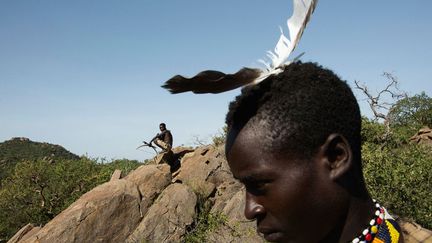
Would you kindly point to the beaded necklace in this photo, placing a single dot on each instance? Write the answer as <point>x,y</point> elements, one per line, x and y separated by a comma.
<point>368,233</point>
<point>381,229</point>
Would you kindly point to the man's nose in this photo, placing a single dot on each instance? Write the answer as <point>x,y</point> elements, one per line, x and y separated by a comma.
<point>253,209</point>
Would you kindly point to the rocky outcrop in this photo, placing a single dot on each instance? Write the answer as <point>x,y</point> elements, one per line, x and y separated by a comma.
<point>168,217</point>
<point>423,136</point>
<point>107,213</point>
<point>150,181</point>
<point>196,169</point>
<point>152,204</point>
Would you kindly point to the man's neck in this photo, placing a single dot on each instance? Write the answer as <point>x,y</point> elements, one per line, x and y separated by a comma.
<point>360,213</point>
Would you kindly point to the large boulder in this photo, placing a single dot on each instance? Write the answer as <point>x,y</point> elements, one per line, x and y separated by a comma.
<point>168,217</point>
<point>150,180</point>
<point>199,169</point>
<point>108,213</point>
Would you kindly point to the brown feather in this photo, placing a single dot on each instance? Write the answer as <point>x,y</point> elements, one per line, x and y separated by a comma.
<point>211,81</point>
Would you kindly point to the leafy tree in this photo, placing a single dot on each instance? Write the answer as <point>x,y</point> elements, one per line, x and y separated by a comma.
<point>39,190</point>
<point>411,113</point>
<point>372,131</point>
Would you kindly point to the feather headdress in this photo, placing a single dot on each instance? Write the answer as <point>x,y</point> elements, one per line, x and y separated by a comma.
<point>216,82</point>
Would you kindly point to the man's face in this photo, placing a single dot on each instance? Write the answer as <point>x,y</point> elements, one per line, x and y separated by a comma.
<point>284,195</point>
<point>162,128</point>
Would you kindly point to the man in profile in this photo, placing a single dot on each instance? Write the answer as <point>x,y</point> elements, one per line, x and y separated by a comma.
<point>164,139</point>
<point>294,141</point>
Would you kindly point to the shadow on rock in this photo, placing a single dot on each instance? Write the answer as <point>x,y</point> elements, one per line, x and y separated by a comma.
<point>173,158</point>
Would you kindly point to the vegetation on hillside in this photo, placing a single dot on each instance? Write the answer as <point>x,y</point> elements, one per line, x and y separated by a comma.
<point>21,149</point>
<point>398,172</point>
<point>36,190</point>
<point>205,221</point>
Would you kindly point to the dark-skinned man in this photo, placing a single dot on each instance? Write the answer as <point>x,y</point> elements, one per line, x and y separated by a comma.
<point>294,142</point>
<point>164,139</point>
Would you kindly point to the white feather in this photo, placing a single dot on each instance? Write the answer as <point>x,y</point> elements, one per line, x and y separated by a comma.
<point>265,64</point>
<point>303,9</point>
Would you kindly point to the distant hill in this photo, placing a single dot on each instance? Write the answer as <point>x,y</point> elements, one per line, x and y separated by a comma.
<point>18,149</point>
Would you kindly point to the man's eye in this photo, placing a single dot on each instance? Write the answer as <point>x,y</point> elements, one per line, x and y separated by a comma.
<point>256,188</point>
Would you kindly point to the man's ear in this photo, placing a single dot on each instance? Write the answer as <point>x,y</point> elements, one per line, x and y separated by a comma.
<point>337,155</point>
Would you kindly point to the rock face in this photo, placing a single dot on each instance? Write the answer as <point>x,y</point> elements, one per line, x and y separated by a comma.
<point>151,204</point>
<point>108,213</point>
<point>423,136</point>
<point>24,233</point>
<point>168,217</point>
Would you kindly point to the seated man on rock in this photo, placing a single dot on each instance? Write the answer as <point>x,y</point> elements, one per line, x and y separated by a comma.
<point>164,139</point>
<point>294,142</point>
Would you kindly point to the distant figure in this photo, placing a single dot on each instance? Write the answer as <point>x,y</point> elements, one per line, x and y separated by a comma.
<point>163,139</point>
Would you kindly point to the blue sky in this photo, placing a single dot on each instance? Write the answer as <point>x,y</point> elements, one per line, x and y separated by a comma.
<point>87,74</point>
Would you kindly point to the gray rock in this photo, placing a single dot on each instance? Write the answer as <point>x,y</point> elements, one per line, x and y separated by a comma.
<point>198,167</point>
<point>168,217</point>
<point>108,213</point>
<point>150,180</point>
<point>116,175</point>
<point>24,233</point>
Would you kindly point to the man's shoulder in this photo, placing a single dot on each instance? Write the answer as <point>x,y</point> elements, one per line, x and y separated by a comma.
<point>164,132</point>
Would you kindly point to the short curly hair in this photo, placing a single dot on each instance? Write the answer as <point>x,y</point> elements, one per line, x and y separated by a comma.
<point>302,106</point>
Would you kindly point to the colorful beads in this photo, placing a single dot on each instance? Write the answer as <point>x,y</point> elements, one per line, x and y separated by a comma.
<point>368,234</point>
<point>379,221</point>
<point>374,229</point>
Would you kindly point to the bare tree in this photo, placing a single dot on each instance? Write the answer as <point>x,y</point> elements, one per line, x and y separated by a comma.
<point>199,141</point>
<point>382,103</point>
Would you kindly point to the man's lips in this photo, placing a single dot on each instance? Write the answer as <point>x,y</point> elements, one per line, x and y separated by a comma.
<point>271,234</point>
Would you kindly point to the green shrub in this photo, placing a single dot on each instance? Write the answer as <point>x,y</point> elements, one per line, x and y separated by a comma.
<point>205,221</point>
<point>372,132</point>
<point>398,173</point>
<point>220,138</point>
<point>401,179</point>
<point>39,190</point>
